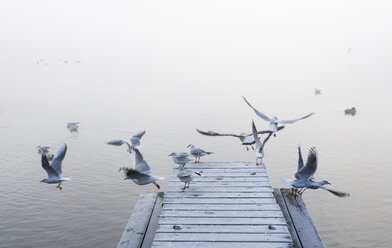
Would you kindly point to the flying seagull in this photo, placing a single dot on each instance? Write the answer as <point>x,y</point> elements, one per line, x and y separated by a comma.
<point>259,145</point>
<point>45,150</point>
<point>141,172</point>
<point>246,139</point>
<point>135,141</point>
<point>197,152</point>
<point>54,169</point>
<point>317,92</point>
<point>181,158</point>
<point>304,176</point>
<point>274,121</point>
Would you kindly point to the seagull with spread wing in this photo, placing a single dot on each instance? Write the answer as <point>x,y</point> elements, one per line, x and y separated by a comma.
<point>141,172</point>
<point>73,126</point>
<point>259,145</point>
<point>274,121</point>
<point>54,169</point>
<point>246,139</point>
<point>304,176</point>
<point>135,141</point>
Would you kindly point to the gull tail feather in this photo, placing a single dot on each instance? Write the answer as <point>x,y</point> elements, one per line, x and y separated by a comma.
<point>66,178</point>
<point>287,182</point>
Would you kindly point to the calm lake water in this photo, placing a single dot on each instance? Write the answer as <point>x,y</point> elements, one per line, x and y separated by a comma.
<point>172,68</point>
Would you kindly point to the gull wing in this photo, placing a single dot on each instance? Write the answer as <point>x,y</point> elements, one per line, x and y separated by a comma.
<point>58,159</point>
<point>311,165</point>
<point>118,143</point>
<point>261,115</point>
<point>49,169</point>
<point>300,160</point>
<point>337,193</point>
<point>254,131</point>
<point>212,133</point>
<point>292,121</point>
<point>265,140</point>
<point>131,173</point>
<point>139,163</point>
<point>268,131</point>
<point>135,140</point>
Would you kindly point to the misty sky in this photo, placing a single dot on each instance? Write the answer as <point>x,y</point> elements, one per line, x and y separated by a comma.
<point>176,50</point>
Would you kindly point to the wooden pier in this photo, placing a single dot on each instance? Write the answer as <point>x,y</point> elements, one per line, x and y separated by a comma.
<point>230,205</point>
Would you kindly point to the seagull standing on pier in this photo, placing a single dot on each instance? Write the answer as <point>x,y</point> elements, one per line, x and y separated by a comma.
<point>304,177</point>
<point>135,141</point>
<point>54,169</point>
<point>181,158</point>
<point>185,175</point>
<point>246,139</point>
<point>197,152</point>
<point>141,172</point>
<point>274,121</point>
<point>259,145</point>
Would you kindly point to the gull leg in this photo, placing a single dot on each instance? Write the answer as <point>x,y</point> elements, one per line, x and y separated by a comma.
<point>252,147</point>
<point>156,185</point>
<point>59,186</point>
<point>247,148</point>
<point>257,161</point>
<point>303,191</point>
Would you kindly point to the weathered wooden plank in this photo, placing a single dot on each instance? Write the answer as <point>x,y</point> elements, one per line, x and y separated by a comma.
<point>219,201</point>
<point>223,179</point>
<point>224,237</point>
<point>221,207</point>
<point>221,214</point>
<point>222,229</point>
<point>228,170</point>
<point>188,194</point>
<point>229,165</point>
<point>205,182</point>
<point>153,224</point>
<point>221,221</point>
<point>213,244</point>
<point>304,226</point>
<point>217,189</point>
<point>206,173</point>
<point>133,234</point>
<point>290,225</point>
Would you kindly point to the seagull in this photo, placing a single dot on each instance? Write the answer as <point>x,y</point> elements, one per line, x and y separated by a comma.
<point>304,176</point>
<point>141,172</point>
<point>45,150</point>
<point>197,152</point>
<point>185,175</point>
<point>73,126</point>
<point>181,158</point>
<point>259,146</point>
<point>54,169</point>
<point>246,139</point>
<point>317,92</point>
<point>135,141</point>
<point>352,111</point>
<point>274,121</point>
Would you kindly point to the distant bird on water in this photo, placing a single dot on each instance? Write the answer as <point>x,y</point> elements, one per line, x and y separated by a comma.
<point>304,177</point>
<point>246,139</point>
<point>54,169</point>
<point>181,158</point>
<point>274,121</point>
<point>259,145</point>
<point>141,172</point>
<point>135,141</point>
<point>197,152</point>
<point>317,92</point>
<point>73,126</point>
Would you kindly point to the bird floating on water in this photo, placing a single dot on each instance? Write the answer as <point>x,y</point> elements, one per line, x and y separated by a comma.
<point>304,176</point>
<point>54,169</point>
<point>259,145</point>
<point>141,172</point>
<point>197,152</point>
<point>73,126</point>
<point>351,111</point>
<point>274,121</point>
<point>246,139</point>
<point>135,141</point>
